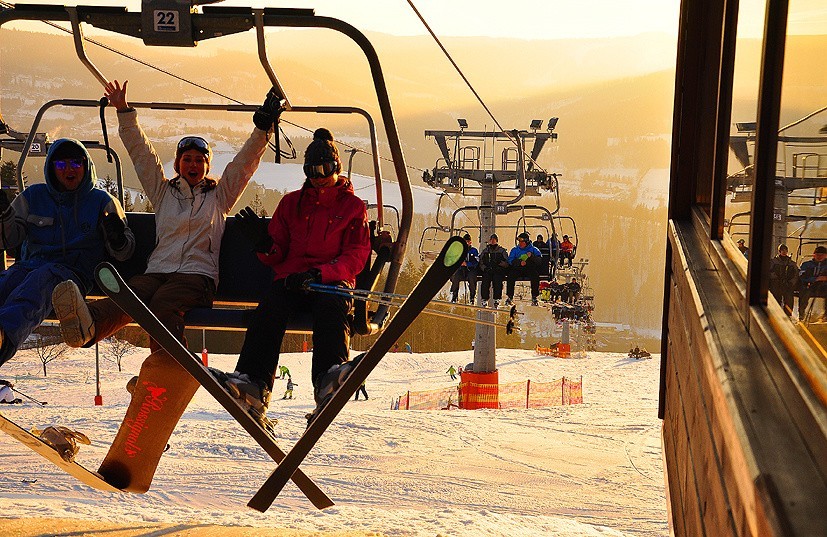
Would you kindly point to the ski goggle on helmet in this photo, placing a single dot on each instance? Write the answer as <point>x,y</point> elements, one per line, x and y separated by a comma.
<point>317,171</point>
<point>193,142</point>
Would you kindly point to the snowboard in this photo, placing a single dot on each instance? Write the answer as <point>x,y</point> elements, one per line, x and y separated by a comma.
<point>451,256</point>
<point>159,399</point>
<point>82,474</point>
<point>116,288</point>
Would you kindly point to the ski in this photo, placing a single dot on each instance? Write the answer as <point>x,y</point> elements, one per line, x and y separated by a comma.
<point>116,288</point>
<point>432,281</point>
<point>82,474</point>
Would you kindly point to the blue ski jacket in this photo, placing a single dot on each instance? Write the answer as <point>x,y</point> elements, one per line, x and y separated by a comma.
<point>63,227</point>
<point>522,253</point>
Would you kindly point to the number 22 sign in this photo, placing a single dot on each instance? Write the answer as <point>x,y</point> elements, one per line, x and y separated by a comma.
<point>165,20</point>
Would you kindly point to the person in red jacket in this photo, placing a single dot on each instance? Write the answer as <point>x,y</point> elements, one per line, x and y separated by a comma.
<point>318,233</point>
<point>566,251</point>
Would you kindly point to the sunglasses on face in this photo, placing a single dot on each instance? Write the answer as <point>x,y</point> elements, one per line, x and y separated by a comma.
<point>74,163</point>
<point>196,142</point>
<point>317,171</point>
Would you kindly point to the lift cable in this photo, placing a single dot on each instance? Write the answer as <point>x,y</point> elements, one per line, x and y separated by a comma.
<point>467,82</point>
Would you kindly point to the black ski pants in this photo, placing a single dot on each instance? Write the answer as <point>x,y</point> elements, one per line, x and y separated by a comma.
<point>331,337</point>
<point>495,278</point>
<point>464,274</point>
<point>516,271</point>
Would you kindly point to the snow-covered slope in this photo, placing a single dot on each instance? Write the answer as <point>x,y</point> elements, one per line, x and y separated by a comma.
<point>590,469</point>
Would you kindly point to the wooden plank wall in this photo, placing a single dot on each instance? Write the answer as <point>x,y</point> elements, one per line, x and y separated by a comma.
<point>716,485</point>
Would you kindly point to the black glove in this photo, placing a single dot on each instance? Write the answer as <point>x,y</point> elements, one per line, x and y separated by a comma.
<point>114,229</point>
<point>254,228</point>
<point>268,113</point>
<point>300,280</point>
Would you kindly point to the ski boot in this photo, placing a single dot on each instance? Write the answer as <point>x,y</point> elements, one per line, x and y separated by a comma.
<point>328,383</point>
<point>252,394</point>
<point>63,440</point>
<point>130,386</point>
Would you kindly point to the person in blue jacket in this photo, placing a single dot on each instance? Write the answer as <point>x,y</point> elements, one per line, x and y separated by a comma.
<point>524,260</point>
<point>64,228</point>
<point>467,272</point>
<point>812,276</point>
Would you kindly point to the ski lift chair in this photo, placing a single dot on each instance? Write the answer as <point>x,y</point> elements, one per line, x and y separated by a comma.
<point>223,21</point>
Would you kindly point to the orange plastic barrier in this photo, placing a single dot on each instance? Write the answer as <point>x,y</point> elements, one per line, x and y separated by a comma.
<point>524,394</point>
<point>479,390</point>
<point>559,350</point>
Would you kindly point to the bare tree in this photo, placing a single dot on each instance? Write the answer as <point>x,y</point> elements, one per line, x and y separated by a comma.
<point>116,350</point>
<point>257,205</point>
<point>47,350</point>
<point>108,184</point>
<point>127,201</point>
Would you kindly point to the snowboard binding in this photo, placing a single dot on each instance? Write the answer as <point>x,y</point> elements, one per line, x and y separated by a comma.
<point>63,440</point>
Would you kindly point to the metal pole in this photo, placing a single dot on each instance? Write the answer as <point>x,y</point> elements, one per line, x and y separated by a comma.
<point>485,337</point>
<point>98,396</point>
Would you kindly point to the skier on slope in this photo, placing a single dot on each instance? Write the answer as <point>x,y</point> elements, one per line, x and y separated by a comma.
<point>453,372</point>
<point>6,394</point>
<point>288,392</point>
<point>318,233</point>
<point>284,372</point>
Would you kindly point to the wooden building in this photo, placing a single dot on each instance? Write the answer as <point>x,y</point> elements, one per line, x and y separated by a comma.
<point>743,386</point>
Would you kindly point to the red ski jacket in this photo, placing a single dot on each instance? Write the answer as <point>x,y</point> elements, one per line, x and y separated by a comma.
<point>329,231</point>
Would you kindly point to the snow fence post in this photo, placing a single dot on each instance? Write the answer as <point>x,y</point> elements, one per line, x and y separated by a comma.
<point>563,392</point>
<point>98,396</point>
<point>527,391</point>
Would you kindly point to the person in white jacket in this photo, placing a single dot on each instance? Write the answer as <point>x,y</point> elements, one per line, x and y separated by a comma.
<point>182,273</point>
<point>190,215</point>
<point>6,393</point>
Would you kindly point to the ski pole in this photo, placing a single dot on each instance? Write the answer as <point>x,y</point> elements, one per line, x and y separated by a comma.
<point>41,403</point>
<point>509,328</point>
<point>396,296</point>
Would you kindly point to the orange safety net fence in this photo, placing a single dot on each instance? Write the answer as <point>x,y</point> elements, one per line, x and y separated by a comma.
<point>525,394</point>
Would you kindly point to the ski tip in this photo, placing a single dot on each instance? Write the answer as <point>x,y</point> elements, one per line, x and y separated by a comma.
<point>107,279</point>
<point>454,252</point>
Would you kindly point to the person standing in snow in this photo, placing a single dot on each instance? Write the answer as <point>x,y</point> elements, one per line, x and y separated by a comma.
<point>64,227</point>
<point>408,348</point>
<point>284,372</point>
<point>363,391</point>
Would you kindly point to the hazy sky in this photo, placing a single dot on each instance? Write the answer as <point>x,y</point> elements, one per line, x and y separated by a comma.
<point>530,19</point>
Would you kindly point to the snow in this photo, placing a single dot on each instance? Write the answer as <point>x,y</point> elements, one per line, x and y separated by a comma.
<point>290,176</point>
<point>589,469</point>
